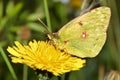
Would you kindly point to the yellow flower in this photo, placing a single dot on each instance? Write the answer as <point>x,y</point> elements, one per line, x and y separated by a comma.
<point>42,55</point>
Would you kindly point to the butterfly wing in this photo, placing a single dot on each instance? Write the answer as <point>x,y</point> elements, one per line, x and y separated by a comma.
<point>85,35</point>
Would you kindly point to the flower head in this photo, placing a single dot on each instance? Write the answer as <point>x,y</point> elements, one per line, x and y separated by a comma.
<point>42,55</point>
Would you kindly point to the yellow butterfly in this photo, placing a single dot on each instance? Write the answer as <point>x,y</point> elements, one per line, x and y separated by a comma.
<point>85,35</point>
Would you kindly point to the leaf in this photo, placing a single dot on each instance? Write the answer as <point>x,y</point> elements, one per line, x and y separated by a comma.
<point>9,7</point>
<point>37,27</point>
<point>23,15</point>
<point>13,10</point>
<point>34,16</point>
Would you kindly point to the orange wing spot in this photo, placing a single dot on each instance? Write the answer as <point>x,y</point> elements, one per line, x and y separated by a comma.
<point>84,35</point>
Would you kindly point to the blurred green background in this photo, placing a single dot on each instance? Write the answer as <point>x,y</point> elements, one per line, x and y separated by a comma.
<point>19,21</point>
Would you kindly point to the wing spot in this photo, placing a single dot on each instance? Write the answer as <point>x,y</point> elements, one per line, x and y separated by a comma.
<point>80,23</point>
<point>94,44</point>
<point>96,38</point>
<point>66,41</point>
<point>84,35</point>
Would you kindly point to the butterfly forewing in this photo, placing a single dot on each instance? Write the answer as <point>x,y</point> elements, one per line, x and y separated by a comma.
<point>85,35</point>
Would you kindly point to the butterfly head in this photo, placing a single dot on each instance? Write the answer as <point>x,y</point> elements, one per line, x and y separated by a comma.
<point>53,36</point>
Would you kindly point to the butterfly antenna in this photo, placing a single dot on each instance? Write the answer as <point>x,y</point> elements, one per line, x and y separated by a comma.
<point>43,24</point>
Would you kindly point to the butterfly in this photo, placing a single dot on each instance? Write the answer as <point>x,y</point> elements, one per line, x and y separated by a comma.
<point>85,35</point>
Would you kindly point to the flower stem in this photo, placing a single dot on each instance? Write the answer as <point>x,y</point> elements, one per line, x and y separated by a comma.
<point>25,67</point>
<point>47,15</point>
<point>25,72</point>
<point>8,64</point>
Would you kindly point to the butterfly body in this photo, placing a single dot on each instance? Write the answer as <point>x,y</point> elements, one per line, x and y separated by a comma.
<point>85,35</point>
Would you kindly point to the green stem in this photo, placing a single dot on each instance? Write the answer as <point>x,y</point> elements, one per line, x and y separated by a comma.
<point>47,15</point>
<point>8,64</point>
<point>25,72</point>
<point>25,67</point>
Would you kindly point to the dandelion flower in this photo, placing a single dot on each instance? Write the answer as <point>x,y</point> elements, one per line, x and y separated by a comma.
<point>44,56</point>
